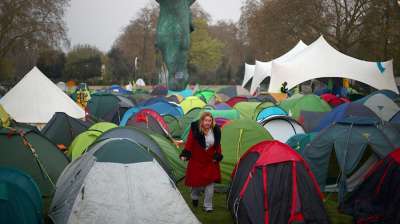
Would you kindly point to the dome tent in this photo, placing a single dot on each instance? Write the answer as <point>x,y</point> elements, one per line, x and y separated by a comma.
<point>273,184</point>
<point>95,187</point>
<point>356,143</point>
<point>20,198</point>
<point>26,149</point>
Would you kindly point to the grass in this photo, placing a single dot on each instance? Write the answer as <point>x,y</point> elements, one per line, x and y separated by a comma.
<point>221,214</point>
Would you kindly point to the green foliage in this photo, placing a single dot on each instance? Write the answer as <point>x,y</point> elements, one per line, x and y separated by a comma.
<point>51,62</point>
<point>205,52</point>
<point>83,62</point>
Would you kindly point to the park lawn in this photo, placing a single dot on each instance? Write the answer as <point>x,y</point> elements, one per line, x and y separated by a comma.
<point>221,214</point>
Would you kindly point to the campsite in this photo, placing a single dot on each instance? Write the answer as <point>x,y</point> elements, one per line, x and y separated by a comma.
<point>199,111</point>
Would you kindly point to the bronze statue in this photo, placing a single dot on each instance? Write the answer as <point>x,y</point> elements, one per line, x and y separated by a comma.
<point>173,39</point>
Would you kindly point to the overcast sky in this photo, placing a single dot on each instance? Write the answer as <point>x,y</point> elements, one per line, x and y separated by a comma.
<point>99,22</point>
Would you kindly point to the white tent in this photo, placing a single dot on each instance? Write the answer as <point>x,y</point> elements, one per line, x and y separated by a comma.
<point>140,83</point>
<point>282,128</point>
<point>263,69</point>
<point>35,99</point>
<point>320,60</point>
<point>248,73</point>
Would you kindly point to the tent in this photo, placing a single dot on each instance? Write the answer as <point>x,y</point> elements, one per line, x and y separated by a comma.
<point>248,73</point>
<point>174,125</point>
<point>222,106</point>
<point>159,90</point>
<point>377,199</point>
<point>144,138</point>
<point>150,120</point>
<point>118,181</point>
<point>118,90</point>
<point>108,107</point>
<point>347,149</point>
<point>273,184</point>
<point>282,127</point>
<point>232,91</point>
<point>333,100</point>
<point>236,138</point>
<point>344,111</point>
<point>206,94</point>
<point>20,198</point>
<point>35,99</point>
<point>62,129</point>
<point>175,98</point>
<point>270,111</point>
<point>250,110</point>
<point>162,108</point>
<point>382,105</point>
<point>263,69</point>
<point>85,139</point>
<point>311,120</point>
<point>296,104</point>
<point>140,83</point>
<point>24,148</point>
<point>5,120</point>
<point>321,60</point>
<point>300,141</point>
<point>185,93</point>
<point>191,102</point>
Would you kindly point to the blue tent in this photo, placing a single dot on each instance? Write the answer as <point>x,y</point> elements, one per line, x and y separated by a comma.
<point>222,106</point>
<point>270,111</point>
<point>389,93</point>
<point>118,89</point>
<point>343,111</point>
<point>162,108</point>
<point>153,100</point>
<point>20,198</point>
<point>185,93</point>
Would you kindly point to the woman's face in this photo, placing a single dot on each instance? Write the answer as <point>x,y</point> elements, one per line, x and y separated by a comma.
<point>207,121</point>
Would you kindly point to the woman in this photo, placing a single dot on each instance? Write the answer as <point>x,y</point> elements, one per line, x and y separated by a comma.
<point>203,151</point>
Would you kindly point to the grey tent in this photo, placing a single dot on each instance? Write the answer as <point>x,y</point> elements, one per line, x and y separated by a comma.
<point>341,154</point>
<point>117,181</point>
<point>144,139</point>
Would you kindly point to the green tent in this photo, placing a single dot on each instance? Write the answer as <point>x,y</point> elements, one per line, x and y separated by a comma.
<point>20,198</point>
<point>172,154</point>
<point>194,115</point>
<point>343,153</point>
<point>101,104</point>
<point>191,102</point>
<point>300,141</point>
<point>174,125</point>
<point>298,103</point>
<point>5,119</point>
<point>206,94</point>
<point>250,110</point>
<point>237,137</point>
<point>26,149</point>
<point>85,139</point>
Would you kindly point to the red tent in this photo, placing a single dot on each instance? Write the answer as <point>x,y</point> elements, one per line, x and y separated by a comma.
<point>273,184</point>
<point>333,100</point>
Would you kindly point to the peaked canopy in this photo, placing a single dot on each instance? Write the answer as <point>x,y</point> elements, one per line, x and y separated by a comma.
<point>321,60</point>
<point>263,69</point>
<point>248,73</point>
<point>35,99</point>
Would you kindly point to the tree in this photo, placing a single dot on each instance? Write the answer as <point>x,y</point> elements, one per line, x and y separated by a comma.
<point>117,66</point>
<point>205,52</point>
<point>51,62</point>
<point>27,26</point>
<point>83,62</point>
<point>138,41</point>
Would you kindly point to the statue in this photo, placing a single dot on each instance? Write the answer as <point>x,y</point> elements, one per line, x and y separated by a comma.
<point>173,39</point>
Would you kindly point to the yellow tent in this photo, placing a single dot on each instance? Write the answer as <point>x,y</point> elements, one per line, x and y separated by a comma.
<point>5,119</point>
<point>191,102</point>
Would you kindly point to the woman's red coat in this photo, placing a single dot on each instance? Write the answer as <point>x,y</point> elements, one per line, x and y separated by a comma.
<point>202,170</point>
